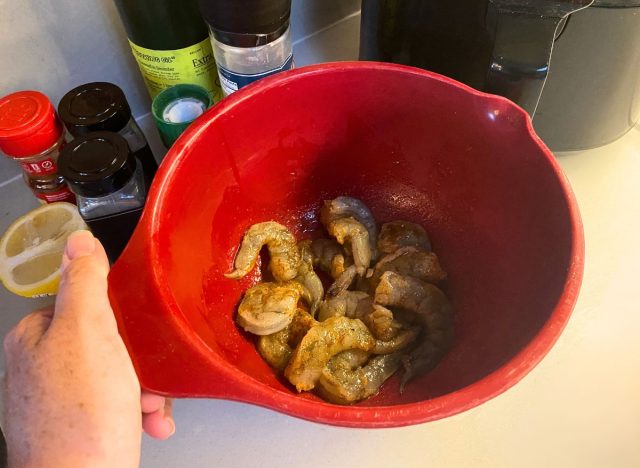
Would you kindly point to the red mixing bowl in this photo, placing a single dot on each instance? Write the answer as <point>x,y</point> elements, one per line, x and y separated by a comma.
<point>413,145</point>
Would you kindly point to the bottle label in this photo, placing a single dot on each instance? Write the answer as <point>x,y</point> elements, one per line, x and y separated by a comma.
<point>62,195</point>
<point>162,69</point>
<point>232,81</point>
<point>40,168</point>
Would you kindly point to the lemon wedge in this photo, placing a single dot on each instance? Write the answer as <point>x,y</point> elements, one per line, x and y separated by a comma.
<point>31,249</point>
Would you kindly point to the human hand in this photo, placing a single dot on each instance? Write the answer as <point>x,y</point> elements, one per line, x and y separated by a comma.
<point>72,395</point>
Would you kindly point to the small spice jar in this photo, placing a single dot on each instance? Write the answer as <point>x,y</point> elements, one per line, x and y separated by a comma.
<point>31,133</point>
<point>102,106</point>
<point>109,185</point>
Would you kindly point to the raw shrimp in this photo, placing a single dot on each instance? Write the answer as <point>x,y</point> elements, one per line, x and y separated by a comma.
<point>409,261</point>
<point>347,303</point>
<point>352,358</point>
<point>424,358</point>
<point>399,234</point>
<point>343,381</point>
<point>308,277</point>
<point>403,339</point>
<point>380,321</point>
<point>267,308</point>
<point>285,256</point>
<point>329,256</point>
<point>390,335</point>
<point>323,341</point>
<point>278,347</point>
<point>353,232</point>
<point>349,207</point>
<point>343,281</point>
<point>430,304</point>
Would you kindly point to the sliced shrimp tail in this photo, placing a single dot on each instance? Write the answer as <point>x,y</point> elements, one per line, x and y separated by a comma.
<point>343,282</point>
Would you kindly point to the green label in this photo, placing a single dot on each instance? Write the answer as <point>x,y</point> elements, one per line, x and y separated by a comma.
<point>162,69</point>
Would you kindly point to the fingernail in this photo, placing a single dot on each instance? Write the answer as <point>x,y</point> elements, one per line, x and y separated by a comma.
<point>80,244</point>
<point>173,426</point>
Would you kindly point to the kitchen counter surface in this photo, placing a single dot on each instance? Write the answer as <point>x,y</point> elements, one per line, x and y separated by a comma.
<point>580,407</point>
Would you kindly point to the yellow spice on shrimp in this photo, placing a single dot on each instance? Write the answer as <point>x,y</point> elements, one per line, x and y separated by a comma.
<point>308,277</point>
<point>267,308</point>
<point>353,233</point>
<point>349,207</point>
<point>278,347</point>
<point>349,378</point>
<point>323,341</point>
<point>285,255</point>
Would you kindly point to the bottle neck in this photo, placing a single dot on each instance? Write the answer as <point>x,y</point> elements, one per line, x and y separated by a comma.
<point>247,40</point>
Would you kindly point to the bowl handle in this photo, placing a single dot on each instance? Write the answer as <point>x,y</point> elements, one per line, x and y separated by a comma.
<point>167,357</point>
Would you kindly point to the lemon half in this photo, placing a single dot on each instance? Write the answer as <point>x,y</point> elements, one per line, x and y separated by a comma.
<point>31,249</point>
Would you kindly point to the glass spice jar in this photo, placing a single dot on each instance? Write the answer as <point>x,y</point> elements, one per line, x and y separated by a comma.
<point>102,106</point>
<point>31,133</point>
<point>108,181</point>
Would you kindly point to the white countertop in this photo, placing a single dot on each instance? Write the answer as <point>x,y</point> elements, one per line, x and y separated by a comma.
<point>580,407</point>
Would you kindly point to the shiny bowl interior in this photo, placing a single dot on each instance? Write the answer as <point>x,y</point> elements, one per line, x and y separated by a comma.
<point>413,146</point>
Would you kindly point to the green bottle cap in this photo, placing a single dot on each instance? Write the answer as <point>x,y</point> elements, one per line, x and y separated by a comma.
<point>176,107</point>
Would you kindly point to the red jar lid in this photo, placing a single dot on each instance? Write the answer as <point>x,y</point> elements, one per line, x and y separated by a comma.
<point>28,124</point>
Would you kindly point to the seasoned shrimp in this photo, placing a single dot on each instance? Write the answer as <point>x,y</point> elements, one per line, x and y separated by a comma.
<point>390,335</point>
<point>323,341</point>
<point>329,256</point>
<point>381,322</point>
<point>424,299</point>
<point>403,339</point>
<point>267,308</point>
<point>431,305</point>
<point>278,347</point>
<point>343,281</point>
<point>399,234</point>
<point>352,232</point>
<point>423,358</point>
<point>349,207</point>
<point>285,256</point>
<point>409,261</point>
<point>343,381</point>
<point>308,277</point>
<point>347,303</point>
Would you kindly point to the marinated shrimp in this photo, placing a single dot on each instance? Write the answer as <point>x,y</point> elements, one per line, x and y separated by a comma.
<point>349,207</point>
<point>398,234</point>
<point>432,306</point>
<point>355,235</point>
<point>329,256</point>
<point>343,282</point>
<point>284,253</point>
<point>267,308</point>
<point>390,335</point>
<point>308,277</point>
<point>379,314</point>
<point>402,340</point>
<point>323,341</point>
<point>382,323</point>
<point>347,303</point>
<point>409,261</point>
<point>344,381</point>
<point>278,347</point>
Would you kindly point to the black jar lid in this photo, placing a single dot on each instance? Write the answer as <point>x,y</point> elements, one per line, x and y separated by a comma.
<point>93,107</point>
<point>97,164</point>
<point>237,23</point>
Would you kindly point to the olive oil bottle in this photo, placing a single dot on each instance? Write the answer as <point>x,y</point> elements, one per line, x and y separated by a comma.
<point>170,42</point>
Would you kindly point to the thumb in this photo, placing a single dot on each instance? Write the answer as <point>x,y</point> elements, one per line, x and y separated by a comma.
<point>83,286</point>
